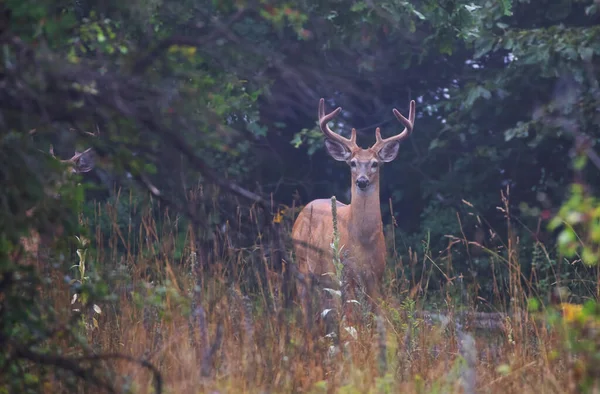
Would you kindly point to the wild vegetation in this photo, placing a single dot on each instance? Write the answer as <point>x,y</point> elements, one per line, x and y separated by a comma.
<point>161,259</point>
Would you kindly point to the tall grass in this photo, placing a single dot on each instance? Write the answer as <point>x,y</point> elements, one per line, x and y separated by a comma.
<point>211,316</point>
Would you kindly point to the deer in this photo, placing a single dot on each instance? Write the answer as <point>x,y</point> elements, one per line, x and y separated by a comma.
<point>79,163</point>
<point>360,226</point>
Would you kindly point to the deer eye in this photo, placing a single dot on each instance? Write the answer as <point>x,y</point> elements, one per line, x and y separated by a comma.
<point>352,164</point>
<point>374,164</point>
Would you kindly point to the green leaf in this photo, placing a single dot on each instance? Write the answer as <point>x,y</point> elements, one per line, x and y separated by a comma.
<point>472,7</point>
<point>418,14</point>
<point>332,15</point>
<point>555,223</point>
<point>256,129</point>
<point>297,140</point>
<point>586,53</point>
<point>475,93</point>
<point>483,46</point>
<point>566,237</point>
<point>533,305</point>
<point>436,143</point>
<point>579,162</point>
<point>589,257</point>
<point>503,369</point>
<point>358,6</point>
<point>506,7</point>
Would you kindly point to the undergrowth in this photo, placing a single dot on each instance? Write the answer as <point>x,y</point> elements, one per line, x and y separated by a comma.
<point>213,316</point>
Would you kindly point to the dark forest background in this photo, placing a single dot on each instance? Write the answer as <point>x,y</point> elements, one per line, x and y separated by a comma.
<point>206,111</point>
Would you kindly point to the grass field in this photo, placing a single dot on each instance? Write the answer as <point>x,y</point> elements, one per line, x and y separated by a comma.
<point>216,321</point>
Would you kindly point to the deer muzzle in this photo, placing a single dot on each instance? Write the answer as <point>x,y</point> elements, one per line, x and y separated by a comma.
<point>362,182</point>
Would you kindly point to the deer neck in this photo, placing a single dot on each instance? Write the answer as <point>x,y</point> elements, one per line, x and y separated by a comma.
<point>365,214</point>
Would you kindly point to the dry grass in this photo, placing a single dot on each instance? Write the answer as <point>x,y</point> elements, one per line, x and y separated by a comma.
<point>199,321</point>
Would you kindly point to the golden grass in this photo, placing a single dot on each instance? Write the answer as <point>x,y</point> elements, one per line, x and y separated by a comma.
<point>208,331</point>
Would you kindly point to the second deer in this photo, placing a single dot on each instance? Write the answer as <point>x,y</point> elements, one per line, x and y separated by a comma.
<point>80,163</point>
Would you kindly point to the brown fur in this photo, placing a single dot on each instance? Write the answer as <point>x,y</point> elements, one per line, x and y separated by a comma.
<point>362,243</point>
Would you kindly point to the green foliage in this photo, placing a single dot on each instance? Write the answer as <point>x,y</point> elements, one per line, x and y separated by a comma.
<point>95,36</point>
<point>185,94</point>
<point>580,215</point>
<point>284,14</point>
<point>577,328</point>
<point>313,138</point>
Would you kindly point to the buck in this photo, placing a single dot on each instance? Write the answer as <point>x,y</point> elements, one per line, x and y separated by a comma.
<point>360,227</point>
<point>81,162</point>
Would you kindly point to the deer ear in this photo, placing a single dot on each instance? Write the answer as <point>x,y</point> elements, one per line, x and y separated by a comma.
<point>389,151</point>
<point>337,150</point>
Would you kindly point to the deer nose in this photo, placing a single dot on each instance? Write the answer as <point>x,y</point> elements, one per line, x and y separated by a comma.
<point>362,182</point>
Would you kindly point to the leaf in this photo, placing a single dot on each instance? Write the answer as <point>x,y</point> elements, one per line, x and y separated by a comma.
<point>418,14</point>
<point>503,369</point>
<point>483,46</point>
<point>436,143</point>
<point>507,7</point>
<point>472,7</point>
<point>73,299</point>
<point>521,130</point>
<point>579,162</point>
<point>586,53</point>
<point>81,254</point>
<point>320,385</point>
<point>358,6</point>
<point>297,140</point>
<point>97,309</point>
<point>591,10</point>
<point>475,93</point>
<point>352,331</point>
<point>325,312</point>
<point>486,94</point>
<point>589,257</point>
<point>256,129</point>
<point>332,291</point>
<point>533,305</point>
<point>566,237</point>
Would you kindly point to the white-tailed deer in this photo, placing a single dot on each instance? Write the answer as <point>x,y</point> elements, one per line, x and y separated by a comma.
<point>81,162</point>
<point>360,227</point>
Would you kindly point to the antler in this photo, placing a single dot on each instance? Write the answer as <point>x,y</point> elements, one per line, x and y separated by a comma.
<point>324,119</point>
<point>408,128</point>
<point>82,161</point>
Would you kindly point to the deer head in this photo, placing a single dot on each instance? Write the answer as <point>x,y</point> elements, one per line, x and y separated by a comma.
<point>80,163</point>
<point>364,163</point>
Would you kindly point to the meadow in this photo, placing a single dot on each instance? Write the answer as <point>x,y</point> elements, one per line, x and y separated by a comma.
<point>214,317</point>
